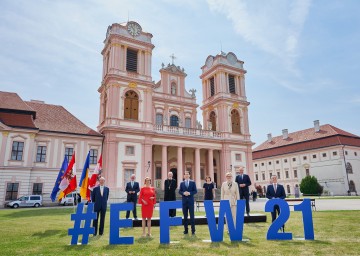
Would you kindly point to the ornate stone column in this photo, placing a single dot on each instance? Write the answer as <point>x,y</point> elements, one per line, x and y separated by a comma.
<point>179,165</point>
<point>210,164</point>
<point>197,168</point>
<point>163,165</point>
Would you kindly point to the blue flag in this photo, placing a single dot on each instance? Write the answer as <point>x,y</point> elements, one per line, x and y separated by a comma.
<point>58,180</point>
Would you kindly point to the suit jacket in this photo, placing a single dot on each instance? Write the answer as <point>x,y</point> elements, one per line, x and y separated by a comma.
<point>280,191</point>
<point>170,187</point>
<point>100,201</point>
<point>245,180</point>
<point>231,194</point>
<point>135,188</point>
<point>192,189</point>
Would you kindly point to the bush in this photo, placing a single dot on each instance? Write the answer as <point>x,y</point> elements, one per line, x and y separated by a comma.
<point>310,186</point>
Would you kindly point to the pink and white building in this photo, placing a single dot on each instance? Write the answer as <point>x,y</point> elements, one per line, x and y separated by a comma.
<point>330,154</point>
<point>34,138</point>
<point>150,127</point>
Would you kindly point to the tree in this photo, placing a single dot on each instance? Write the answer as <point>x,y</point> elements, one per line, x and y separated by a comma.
<point>310,186</point>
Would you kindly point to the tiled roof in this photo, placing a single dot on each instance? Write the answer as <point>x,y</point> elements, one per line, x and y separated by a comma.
<point>10,100</point>
<point>58,119</point>
<point>14,119</point>
<point>305,140</point>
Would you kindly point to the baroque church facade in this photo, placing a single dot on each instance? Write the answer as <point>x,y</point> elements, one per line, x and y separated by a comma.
<point>150,128</point>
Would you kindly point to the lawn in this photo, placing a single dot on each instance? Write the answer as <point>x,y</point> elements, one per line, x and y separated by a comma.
<point>44,232</point>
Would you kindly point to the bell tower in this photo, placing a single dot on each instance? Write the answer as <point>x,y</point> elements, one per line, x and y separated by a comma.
<point>125,96</point>
<point>224,106</point>
<point>126,80</point>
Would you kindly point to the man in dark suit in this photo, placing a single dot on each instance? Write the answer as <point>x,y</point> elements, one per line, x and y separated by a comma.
<point>188,190</point>
<point>244,182</point>
<point>132,189</point>
<point>99,197</point>
<point>275,190</point>
<point>169,195</point>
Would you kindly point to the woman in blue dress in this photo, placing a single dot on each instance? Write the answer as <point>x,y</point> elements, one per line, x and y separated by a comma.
<point>209,189</point>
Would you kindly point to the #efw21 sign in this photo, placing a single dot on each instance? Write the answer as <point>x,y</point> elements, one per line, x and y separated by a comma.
<point>216,230</point>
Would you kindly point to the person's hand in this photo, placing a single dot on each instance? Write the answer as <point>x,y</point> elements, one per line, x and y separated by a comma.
<point>152,198</point>
<point>242,185</point>
<point>144,202</point>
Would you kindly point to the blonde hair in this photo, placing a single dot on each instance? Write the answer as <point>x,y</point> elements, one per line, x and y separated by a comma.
<point>228,174</point>
<point>147,178</point>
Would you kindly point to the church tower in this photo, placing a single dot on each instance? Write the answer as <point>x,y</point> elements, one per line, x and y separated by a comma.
<point>224,99</point>
<point>225,108</point>
<point>126,74</point>
<point>125,93</point>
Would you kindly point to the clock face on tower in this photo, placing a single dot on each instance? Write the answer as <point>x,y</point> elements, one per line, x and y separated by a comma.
<point>133,28</point>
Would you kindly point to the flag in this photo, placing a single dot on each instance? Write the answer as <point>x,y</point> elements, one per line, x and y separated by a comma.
<point>68,180</point>
<point>58,180</point>
<point>96,173</point>
<point>84,180</point>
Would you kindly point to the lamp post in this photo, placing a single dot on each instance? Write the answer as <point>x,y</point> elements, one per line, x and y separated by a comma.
<point>346,171</point>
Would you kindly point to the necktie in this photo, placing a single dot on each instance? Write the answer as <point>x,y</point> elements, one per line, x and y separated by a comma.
<point>132,184</point>
<point>187,183</point>
<point>241,176</point>
<point>229,185</point>
<point>101,190</point>
<point>275,188</point>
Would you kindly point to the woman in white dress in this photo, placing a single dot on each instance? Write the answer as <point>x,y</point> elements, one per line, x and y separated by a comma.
<point>230,191</point>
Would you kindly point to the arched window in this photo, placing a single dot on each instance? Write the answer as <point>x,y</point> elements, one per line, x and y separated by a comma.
<point>174,121</point>
<point>159,119</point>
<point>212,119</point>
<point>131,108</point>
<point>173,89</point>
<point>288,189</point>
<point>235,121</point>
<point>352,186</point>
<point>188,122</point>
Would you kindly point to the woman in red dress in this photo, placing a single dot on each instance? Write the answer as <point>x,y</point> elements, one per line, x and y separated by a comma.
<point>147,199</point>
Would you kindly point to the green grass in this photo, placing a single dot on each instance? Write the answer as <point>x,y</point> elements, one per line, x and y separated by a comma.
<point>44,232</point>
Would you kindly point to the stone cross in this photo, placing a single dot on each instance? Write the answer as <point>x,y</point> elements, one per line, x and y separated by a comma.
<point>172,56</point>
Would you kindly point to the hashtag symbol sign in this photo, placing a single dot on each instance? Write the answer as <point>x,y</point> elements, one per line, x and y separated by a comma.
<point>87,218</point>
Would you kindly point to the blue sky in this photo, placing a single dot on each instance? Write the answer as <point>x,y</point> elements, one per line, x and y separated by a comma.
<point>302,57</point>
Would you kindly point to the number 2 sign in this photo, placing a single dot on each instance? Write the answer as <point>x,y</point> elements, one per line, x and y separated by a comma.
<point>304,207</point>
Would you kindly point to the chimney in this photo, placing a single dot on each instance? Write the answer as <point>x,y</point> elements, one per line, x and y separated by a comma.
<point>317,125</point>
<point>285,134</point>
<point>269,137</point>
<point>38,101</point>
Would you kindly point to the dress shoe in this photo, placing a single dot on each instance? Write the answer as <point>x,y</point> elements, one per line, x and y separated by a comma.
<point>248,214</point>
<point>186,232</point>
<point>135,218</point>
<point>193,233</point>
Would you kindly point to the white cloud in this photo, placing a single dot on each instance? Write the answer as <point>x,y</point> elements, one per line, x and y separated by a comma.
<point>273,26</point>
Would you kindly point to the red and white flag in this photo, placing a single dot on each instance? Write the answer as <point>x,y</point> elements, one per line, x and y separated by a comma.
<point>68,181</point>
<point>96,173</point>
